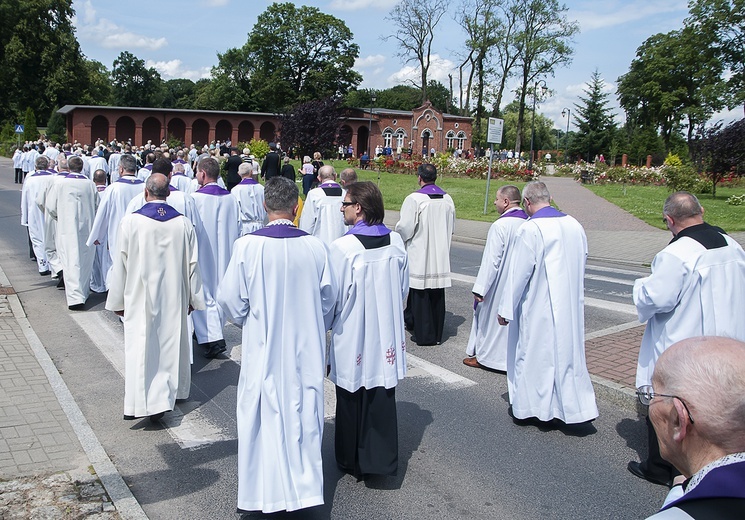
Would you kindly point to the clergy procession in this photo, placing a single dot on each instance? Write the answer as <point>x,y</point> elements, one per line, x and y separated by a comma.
<point>181,254</point>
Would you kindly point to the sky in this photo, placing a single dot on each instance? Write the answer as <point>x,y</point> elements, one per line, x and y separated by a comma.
<point>181,39</point>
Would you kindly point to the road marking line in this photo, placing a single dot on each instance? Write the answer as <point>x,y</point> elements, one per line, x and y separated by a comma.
<point>612,330</point>
<point>418,367</point>
<point>619,281</point>
<point>611,306</point>
<point>639,274</point>
<point>186,424</point>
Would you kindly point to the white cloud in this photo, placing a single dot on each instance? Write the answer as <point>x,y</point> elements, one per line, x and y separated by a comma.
<point>216,3</point>
<point>611,13</point>
<point>175,69</point>
<point>356,5</point>
<point>438,70</point>
<point>109,35</point>
<point>369,61</point>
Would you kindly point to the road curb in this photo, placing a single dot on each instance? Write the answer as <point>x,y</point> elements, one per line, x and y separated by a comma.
<point>124,501</point>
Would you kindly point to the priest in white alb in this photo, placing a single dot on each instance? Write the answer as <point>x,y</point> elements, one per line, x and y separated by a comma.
<point>250,195</point>
<point>72,203</point>
<point>154,284</point>
<point>547,375</point>
<point>368,342</point>
<point>487,344</point>
<point>221,218</point>
<point>279,287</point>
<point>320,216</point>
<point>112,209</point>
<point>36,183</point>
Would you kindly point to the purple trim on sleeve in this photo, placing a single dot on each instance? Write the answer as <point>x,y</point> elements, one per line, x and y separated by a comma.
<point>547,212</point>
<point>362,228</point>
<point>213,189</point>
<point>159,211</point>
<point>128,179</point>
<point>280,231</point>
<point>518,213</point>
<point>431,189</point>
<point>249,181</point>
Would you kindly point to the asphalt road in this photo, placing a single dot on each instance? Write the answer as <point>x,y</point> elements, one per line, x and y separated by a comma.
<point>461,456</point>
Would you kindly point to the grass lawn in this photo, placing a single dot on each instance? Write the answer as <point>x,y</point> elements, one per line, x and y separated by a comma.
<point>645,202</point>
<point>468,194</point>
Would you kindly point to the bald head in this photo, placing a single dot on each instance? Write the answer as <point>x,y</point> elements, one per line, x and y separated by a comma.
<point>156,187</point>
<point>347,176</point>
<point>326,173</point>
<point>709,374</point>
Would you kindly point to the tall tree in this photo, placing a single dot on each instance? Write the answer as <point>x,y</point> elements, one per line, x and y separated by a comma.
<point>56,129</point>
<point>97,79</point>
<point>505,53</point>
<point>30,130</point>
<point>311,126</point>
<point>296,54</point>
<point>544,43</point>
<point>724,22</point>
<point>135,85</point>
<point>179,93</point>
<point>415,22</point>
<point>674,75</point>
<point>594,120</point>
<point>37,50</point>
<point>723,151</point>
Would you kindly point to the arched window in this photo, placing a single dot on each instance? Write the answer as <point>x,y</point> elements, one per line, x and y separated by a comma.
<point>461,139</point>
<point>400,138</point>
<point>450,137</point>
<point>387,137</point>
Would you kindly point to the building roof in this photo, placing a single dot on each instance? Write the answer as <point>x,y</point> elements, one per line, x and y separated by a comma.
<point>70,108</point>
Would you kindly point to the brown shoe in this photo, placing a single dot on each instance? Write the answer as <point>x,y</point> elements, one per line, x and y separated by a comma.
<point>472,362</point>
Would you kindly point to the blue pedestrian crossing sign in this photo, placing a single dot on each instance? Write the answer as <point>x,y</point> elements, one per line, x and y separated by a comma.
<point>19,129</point>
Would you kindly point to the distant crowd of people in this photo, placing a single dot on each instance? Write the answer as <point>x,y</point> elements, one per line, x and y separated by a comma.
<point>180,252</point>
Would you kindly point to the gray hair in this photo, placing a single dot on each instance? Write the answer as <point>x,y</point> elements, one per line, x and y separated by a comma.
<point>128,163</point>
<point>682,205</point>
<point>708,373</point>
<point>536,192</point>
<point>326,172</point>
<point>245,169</point>
<point>41,163</point>
<point>280,195</point>
<point>62,165</point>
<point>348,176</point>
<point>157,185</point>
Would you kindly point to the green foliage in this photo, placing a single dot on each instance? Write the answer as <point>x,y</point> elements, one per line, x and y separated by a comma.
<point>736,200</point>
<point>135,85</point>
<point>8,139</point>
<point>259,148</point>
<point>594,121</point>
<point>179,93</point>
<point>30,130</point>
<point>311,126</point>
<point>681,177</point>
<point>97,88</point>
<point>295,54</point>
<point>56,128</point>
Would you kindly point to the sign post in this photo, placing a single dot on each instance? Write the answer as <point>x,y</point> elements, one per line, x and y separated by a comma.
<point>493,136</point>
<point>19,132</point>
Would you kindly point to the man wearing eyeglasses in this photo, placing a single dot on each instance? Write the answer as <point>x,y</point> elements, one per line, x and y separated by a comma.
<point>697,288</point>
<point>696,402</point>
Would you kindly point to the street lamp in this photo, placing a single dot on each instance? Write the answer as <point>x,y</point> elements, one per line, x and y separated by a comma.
<point>567,112</point>
<point>544,88</point>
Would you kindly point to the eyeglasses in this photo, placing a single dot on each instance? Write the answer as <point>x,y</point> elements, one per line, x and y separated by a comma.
<point>646,394</point>
<point>348,203</point>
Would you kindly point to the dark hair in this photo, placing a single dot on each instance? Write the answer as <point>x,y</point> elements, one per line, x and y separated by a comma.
<point>162,165</point>
<point>427,172</point>
<point>210,167</point>
<point>75,164</point>
<point>368,196</point>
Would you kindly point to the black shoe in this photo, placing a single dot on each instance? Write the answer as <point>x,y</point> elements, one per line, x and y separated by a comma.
<point>636,469</point>
<point>216,348</point>
<point>45,273</point>
<point>129,417</point>
<point>77,307</point>
<point>61,280</point>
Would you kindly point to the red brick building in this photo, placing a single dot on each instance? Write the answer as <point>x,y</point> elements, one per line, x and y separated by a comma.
<point>421,129</point>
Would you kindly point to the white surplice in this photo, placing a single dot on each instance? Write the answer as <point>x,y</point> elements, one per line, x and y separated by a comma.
<point>692,291</point>
<point>282,292</point>
<point>72,202</point>
<point>111,210</point>
<point>368,342</point>
<point>50,226</point>
<point>221,218</point>
<point>154,279</point>
<point>182,183</point>
<point>35,185</point>
<point>544,293</point>
<point>426,226</point>
<point>250,196</point>
<point>321,216</point>
<point>488,339</point>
